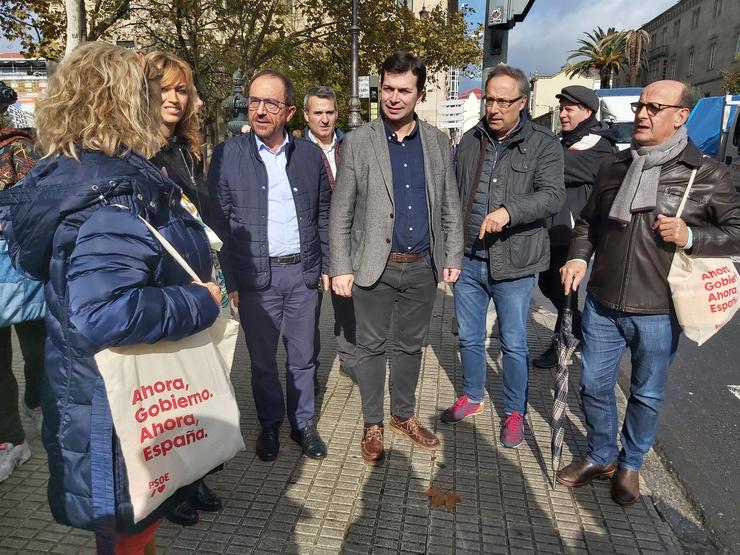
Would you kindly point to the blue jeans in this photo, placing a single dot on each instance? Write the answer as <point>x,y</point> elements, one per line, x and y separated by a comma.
<point>652,340</point>
<point>473,291</point>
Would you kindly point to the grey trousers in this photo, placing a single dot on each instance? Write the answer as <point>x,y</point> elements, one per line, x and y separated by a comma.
<point>404,295</point>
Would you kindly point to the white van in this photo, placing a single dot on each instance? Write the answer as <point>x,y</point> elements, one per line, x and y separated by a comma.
<point>616,112</point>
<point>729,146</point>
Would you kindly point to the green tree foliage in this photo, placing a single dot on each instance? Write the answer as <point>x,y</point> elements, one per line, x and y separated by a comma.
<point>40,25</point>
<point>731,81</point>
<point>636,42</point>
<point>308,39</point>
<point>603,51</point>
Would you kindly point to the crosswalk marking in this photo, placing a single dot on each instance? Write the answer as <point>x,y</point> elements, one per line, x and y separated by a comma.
<point>735,390</point>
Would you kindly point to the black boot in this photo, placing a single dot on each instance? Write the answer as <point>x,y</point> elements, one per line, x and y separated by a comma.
<point>183,513</point>
<point>205,500</point>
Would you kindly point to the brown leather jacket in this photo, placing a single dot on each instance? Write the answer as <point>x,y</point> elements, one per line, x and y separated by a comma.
<point>631,263</point>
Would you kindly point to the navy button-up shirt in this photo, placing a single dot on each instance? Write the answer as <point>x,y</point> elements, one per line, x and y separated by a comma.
<point>411,220</point>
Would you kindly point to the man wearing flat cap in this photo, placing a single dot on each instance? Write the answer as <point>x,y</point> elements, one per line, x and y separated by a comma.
<point>586,142</point>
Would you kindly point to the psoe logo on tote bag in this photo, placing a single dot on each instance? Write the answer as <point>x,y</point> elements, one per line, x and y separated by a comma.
<point>158,485</point>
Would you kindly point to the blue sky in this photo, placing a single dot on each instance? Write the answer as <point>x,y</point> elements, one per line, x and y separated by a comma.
<point>541,43</point>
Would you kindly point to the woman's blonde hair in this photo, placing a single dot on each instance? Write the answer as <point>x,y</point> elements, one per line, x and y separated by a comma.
<point>98,99</point>
<point>171,68</point>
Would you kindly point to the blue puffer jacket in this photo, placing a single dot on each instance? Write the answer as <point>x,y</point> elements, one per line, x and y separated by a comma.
<point>21,299</point>
<point>237,184</point>
<point>108,282</point>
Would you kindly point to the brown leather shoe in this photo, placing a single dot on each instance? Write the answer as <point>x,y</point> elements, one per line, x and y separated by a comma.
<point>626,487</point>
<point>417,433</point>
<point>372,445</point>
<point>580,473</point>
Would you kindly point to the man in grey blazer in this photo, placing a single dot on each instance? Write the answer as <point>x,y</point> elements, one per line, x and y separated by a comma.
<point>395,231</point>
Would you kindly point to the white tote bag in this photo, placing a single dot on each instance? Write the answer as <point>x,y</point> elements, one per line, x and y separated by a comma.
<point>704,290</point>
<point>173,406</point>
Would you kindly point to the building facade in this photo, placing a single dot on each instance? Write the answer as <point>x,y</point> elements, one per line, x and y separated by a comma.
<point>693,42</point>
<point>27,76</point>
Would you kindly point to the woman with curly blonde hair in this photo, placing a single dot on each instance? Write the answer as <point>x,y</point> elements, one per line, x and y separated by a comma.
<point>179,130</point>
<point>108,282</point>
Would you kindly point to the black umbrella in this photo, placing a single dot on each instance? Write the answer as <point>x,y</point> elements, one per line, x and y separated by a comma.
<point>565,345</point>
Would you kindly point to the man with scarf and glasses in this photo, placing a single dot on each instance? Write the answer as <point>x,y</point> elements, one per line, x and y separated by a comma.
<point>586,143</point>
<point>629,226</point>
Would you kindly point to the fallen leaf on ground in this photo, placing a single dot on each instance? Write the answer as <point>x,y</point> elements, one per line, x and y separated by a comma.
<point>440,497</point>
<point>452,499</point>
<point>437,495</point>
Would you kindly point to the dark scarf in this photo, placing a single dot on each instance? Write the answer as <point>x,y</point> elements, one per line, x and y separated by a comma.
<point>569,138</point>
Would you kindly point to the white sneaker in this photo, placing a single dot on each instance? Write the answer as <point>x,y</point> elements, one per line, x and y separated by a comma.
<point>12,456</point>
<point>36,415</point>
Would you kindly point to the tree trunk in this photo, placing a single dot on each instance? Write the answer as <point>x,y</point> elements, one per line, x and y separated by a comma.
<point>635,48</point>
<point>76,24</point>
<point>606,77</point>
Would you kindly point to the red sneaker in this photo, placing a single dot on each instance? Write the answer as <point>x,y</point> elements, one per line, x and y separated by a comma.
<point>512,433</point>
<point>462,408</point>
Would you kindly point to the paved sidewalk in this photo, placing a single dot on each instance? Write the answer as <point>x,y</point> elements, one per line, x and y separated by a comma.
<point>297,505</point>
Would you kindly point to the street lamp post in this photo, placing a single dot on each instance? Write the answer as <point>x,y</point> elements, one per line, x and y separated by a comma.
<point>235,105</point>
<point>354,100</point>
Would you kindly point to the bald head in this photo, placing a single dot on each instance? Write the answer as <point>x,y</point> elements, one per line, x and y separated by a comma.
<point>663,108</point>
<point>677,92</point>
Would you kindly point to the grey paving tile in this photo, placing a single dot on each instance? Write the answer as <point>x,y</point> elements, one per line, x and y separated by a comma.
<point>296,505</point>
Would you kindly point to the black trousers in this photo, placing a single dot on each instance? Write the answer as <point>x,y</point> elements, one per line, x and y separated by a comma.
<point>404,295</point>
<point>552,288</point>
<point>31,336</point>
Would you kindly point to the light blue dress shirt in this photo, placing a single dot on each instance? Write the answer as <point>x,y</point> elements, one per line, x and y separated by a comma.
<point>283,237</point>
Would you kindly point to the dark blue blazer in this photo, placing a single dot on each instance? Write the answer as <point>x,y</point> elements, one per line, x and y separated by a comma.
<point>238,185</point>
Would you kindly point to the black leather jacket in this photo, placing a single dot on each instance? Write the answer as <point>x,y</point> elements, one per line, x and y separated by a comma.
<point>528,178</point>
<point>631,261</point>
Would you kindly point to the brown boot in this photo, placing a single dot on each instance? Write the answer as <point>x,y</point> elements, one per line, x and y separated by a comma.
<point>580,473</point>
<point>372,445</point>
<point>626,487</point>
<point>417,433</point>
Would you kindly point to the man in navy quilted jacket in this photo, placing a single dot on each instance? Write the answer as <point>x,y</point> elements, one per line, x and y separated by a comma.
<point>271,209</point>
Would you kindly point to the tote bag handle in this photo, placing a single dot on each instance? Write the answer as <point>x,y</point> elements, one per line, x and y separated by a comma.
<point>686,193</point>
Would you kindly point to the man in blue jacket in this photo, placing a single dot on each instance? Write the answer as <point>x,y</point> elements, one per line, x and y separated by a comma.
<point>271,209</point>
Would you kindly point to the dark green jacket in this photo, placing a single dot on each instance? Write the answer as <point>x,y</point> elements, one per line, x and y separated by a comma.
<point>527,180</point>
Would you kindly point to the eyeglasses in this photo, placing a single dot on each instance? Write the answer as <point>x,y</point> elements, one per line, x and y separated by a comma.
<point>503,103</point>
<point>653,108</point>
<point>271,105</point>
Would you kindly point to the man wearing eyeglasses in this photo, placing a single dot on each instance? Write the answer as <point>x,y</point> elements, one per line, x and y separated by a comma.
<point>629,226</point>
<point>272,213</point>
<point>510,173</point>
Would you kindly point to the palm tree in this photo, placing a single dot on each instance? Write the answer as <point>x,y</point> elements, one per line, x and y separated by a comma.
<point>603,51</point>
<point>636,42</point>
